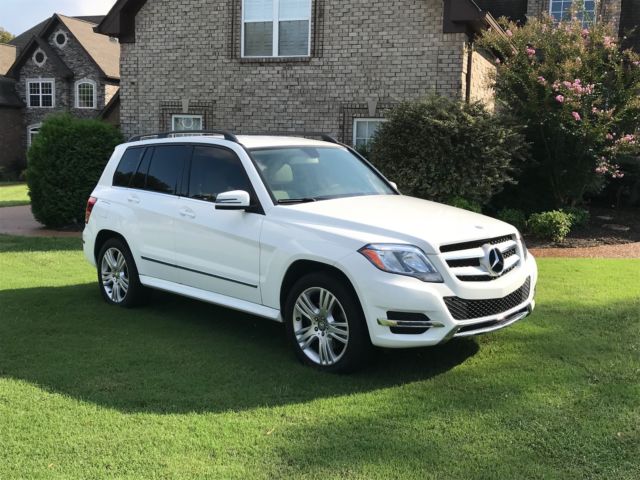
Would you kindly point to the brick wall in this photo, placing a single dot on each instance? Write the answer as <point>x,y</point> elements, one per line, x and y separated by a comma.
<point>368,55</point>
<point>483,72</point>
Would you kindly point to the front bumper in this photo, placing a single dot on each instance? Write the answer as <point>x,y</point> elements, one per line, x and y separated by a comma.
<point>404,312</point>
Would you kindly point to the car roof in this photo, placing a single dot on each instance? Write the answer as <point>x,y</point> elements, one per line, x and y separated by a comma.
<point>248,141</point>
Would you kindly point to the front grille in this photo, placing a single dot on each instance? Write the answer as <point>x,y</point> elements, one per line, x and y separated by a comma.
<point>462,309</point>
<point>485,278</point>
<point>475,244</point>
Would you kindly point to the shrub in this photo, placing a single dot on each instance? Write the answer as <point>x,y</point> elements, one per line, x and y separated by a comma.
<point>554,225</point>
<point>465,204</point>
<point>579,216</point>
<point>575,91</point>
<point>514,217</point>
<point>439,148</point>
<point>65,163</point>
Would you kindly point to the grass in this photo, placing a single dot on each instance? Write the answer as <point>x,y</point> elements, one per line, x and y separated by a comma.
<point>181,389</point>
<point>14,194</point>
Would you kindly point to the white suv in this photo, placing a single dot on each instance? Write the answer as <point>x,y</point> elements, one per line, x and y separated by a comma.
<point>304,232</point>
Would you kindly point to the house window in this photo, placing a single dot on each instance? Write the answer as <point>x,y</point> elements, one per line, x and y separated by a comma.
<point>562,10</point>
<point>86,94</point>
<point>41,93</point>
<point>276,28</point>
<point>32,131</point>
<point>39,57</point>
<point>181,122</point>
<point>364,129</point>
<point>60,38</point>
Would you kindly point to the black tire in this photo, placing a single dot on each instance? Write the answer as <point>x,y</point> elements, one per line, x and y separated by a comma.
<point>135,291</point>
<point>356,352</point>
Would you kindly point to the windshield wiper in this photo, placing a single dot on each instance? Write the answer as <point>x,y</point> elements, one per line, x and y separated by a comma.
<point>286,201</point>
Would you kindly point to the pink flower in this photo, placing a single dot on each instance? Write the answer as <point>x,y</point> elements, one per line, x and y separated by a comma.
<point>608,136</point>
<point>560,99</point>
<point>585,32</point>
<point>567,84</point>
<point>498,61</point>
<point>596,111</point>
<point>636,63</point>
<point>542,81</point>
<point>576,116</point>
<point>601,170</point>
<point>631,139</point>
<point>509,33</point>
<point>609,42</point>
<point>530,51</point>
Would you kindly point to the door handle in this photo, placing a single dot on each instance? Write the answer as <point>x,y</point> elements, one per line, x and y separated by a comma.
<point>133,199</point>
<point>187,212</point>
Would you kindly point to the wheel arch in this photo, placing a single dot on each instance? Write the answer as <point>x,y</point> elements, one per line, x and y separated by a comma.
<point>102,237</point>
<point>300,268</point>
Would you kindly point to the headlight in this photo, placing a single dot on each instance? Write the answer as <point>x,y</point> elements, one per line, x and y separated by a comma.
<point>524,246</point>
<point>402,260</point>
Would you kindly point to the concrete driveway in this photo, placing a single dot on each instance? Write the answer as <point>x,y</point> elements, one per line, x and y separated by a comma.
<point>20,221</point>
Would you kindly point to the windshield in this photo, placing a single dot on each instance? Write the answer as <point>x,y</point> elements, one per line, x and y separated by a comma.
<point>306,174</point>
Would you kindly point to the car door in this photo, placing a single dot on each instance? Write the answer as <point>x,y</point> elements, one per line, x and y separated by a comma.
<point>154,200</point>
<point>218,250</point>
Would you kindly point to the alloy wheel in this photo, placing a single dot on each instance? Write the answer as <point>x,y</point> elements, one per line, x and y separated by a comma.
<point>115,275</point>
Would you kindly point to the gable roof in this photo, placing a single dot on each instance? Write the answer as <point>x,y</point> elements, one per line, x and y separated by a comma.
<point>8,55</point>
<point>27,51</point>
<point>8,95</point>
<point>120,21</point>
<point>104,52</point>
<point>24,38</point>
<point>512,9</point>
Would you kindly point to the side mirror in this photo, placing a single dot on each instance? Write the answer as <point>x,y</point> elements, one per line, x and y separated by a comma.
<point>235,200</point>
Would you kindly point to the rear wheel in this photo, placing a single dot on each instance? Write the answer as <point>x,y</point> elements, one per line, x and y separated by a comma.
<point>325,324</point>
<point>118,275</point>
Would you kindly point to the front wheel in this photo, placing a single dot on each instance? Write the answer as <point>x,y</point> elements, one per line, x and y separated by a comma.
<point>118,275</point>
<point>325,324</point>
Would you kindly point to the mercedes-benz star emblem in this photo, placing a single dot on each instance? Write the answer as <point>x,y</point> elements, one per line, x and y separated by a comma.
<point>495,262</point>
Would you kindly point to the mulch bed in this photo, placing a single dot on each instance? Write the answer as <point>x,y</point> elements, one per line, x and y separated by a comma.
<point>599,231</point>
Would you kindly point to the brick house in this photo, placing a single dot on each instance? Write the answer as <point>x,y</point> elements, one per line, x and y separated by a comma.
<point>60,65</point>
<point>291,65</point>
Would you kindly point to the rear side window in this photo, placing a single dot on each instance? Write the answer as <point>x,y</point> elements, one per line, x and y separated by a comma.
<point>127,167</point>
<point>166,168</point>
<point>216,170</point>
<point>140,177</point>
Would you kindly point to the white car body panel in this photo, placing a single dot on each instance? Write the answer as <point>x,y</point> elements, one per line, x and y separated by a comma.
<point>239,259</point>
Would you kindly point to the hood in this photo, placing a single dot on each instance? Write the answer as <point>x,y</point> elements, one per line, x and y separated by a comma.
<point>389,218</point>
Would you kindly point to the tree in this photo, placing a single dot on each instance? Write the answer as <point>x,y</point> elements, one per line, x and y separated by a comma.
<point>5,37</point>
<point>577,94</point>
<point>442,149</point>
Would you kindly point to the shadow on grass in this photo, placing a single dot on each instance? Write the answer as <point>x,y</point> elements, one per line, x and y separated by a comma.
<point>178,355</point>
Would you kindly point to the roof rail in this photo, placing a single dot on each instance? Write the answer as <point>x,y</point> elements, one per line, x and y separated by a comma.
<point>323,136</point>
<point>172,134</point>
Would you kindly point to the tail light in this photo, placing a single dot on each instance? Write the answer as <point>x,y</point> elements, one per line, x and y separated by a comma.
<point>90,204</point>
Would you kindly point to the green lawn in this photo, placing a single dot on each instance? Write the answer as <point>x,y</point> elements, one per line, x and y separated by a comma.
<point>13,194</point>
<point>184,390</point>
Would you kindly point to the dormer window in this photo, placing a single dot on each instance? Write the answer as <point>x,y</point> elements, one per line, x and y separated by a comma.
<point>86,94</point>
<point>60,38</point>
<point>39,57</point>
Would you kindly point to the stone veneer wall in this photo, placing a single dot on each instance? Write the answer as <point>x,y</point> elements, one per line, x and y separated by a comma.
<point>367,56</point>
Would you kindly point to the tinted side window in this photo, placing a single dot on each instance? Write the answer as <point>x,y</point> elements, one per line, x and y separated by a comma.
<point>166,168</point>
<point>140,178</point>
<point>127,167</point>
<point>216,170</point>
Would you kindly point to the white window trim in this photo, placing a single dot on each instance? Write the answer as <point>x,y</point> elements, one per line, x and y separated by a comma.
<point>41,80</point>
<point>184,115</point>
<point>276,31</point>
<point>30,134</point>
<point>364,119</point>
<point>66,39</point>
<point>39,64</point>
<point>595,10</point>
<point>76,89</point>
